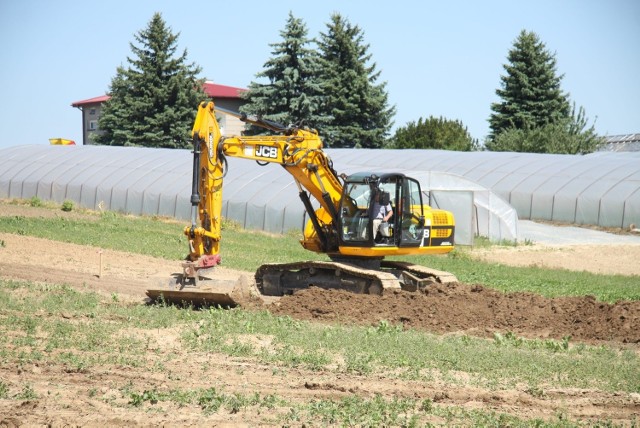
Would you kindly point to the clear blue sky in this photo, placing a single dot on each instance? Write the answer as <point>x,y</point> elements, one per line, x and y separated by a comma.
<point>440,58</point>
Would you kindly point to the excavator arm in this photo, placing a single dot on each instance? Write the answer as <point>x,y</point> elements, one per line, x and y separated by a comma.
<point>299,151</point>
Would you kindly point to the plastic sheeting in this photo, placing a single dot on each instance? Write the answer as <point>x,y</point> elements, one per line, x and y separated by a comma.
<point>601,188</point>
<point>133,180</point>
<point>477,210</point>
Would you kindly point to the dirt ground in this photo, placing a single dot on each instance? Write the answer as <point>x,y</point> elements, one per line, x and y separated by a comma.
<point>471,309</point>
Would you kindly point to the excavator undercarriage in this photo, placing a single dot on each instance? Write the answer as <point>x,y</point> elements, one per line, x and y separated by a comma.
<point>280,279</point>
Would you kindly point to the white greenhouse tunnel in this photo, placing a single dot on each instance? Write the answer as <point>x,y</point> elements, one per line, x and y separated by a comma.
<point>486,191</point>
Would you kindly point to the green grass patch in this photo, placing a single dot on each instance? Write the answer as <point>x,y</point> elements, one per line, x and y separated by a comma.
<point>505,362</point>
<point>77,329</point>
<point>133,234</point>
<point>351,410</point>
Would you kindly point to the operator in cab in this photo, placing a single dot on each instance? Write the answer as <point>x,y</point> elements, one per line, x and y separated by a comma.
<point>382,210</point>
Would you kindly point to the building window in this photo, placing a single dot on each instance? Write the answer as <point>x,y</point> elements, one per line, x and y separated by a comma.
<point>92,112</point>
<point>93,125</point>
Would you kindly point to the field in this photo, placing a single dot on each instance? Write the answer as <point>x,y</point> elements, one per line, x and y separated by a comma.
<point>531,336</point>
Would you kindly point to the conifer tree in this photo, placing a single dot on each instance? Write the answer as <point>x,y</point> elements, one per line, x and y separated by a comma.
<point>356,103</point>
<point>568,136</point>
<point>530,91</point>
<point>153,100</point>
<point>433,133</point>
<point>535,115</point>
<point>292,94</point>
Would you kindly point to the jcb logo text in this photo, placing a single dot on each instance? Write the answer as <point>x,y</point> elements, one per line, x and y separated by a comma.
<point>267,152</point>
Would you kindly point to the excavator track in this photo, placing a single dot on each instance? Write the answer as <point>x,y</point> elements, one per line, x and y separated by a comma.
<point>417,277</point>
<point>279,279</point>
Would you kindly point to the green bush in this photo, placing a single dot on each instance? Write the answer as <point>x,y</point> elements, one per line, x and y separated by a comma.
<point>67,205</point>
<point>35,201</point>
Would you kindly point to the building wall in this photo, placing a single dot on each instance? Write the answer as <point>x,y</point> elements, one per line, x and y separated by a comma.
<point>90,115</point>
<point>230,125</point>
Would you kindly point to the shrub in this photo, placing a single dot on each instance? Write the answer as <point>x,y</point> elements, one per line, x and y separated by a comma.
<point>67,205</point>
<point>35,201</point>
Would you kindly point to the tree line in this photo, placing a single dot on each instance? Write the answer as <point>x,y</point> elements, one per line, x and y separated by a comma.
<point>331,84</point>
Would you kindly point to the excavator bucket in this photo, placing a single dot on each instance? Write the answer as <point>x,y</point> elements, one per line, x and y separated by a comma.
<point>203,291</point>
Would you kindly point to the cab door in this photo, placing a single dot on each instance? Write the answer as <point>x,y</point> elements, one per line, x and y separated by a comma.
<point>410,212</point>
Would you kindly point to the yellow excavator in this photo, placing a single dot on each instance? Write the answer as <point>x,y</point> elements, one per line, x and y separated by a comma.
<point>343,224</point>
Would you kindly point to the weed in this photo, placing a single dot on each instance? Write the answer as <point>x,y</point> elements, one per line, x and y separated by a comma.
<point>482,242</point>
<point>75,363</point>
<point>35,201</point>
<point>359,363</point>
<point>357,411</point>
<point>27,393</point>
<point>67,205</point>
<point>535,391</point>
<point>384,327</point>
<point>509,338</point>
<point>426,406</point>
<point>312,358</point>
<point>239,349</point>
<point>236,402</point>
<point>180,397</point>
<point>210,400</point>
<point>4,390</point>
<point>108,215</point>
<point>555,346</point>
<point>137,399</point>
<point>270,401</point>
<point>229,224</point>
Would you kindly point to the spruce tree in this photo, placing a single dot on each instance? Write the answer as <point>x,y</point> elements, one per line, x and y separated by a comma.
<point>292,94</point>
<point>535,115</point>
<point>154,100</point>
<point>567,136</point>
<point>433,133</point>
<point>356,103</point>
<point>530,91</point>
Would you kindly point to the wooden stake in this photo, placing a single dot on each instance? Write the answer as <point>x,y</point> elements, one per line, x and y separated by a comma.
<point>100,272</point>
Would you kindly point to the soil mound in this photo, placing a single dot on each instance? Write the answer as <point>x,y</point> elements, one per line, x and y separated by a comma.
<point>474,310</point>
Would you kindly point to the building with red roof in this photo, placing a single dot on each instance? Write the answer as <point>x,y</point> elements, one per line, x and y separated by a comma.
<point>228,97</point>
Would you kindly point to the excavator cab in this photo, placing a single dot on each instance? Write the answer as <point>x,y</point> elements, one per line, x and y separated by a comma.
<point>364,194</point>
